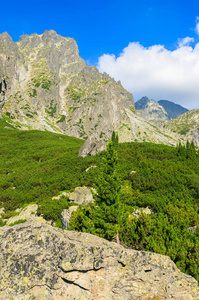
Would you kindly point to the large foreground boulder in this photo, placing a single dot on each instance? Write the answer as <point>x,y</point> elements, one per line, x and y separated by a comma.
<point>42,262</point>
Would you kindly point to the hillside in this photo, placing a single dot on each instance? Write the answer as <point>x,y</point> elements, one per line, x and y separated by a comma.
<point>173,110</point>
<point>186,126</point>
<point>36,166</point>
<point>46,85</point>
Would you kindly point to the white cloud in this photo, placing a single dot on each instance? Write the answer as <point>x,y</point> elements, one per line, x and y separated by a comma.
<point>185,41</point>
<point>157,72</point>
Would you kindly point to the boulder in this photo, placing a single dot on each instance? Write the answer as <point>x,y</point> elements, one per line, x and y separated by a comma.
<point>92,146</point>
<point>193,229</point>
<point>81,195</point>
<point>139,211</point>
<point>2,211</point>
<point>28,213</point>
<point>65,216</point>
<point>42,262</point>
<point>59,196</point>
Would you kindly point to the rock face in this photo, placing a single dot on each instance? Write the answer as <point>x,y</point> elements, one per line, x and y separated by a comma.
<point>43,262</point>
<point>186,126</point>
<point>81,195</point>
<point>173,110</point>
<point>92,146</point>
<point>46,85</point>
<point>65,216</point>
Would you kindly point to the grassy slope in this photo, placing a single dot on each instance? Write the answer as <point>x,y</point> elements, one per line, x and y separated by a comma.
<point>36,165</point>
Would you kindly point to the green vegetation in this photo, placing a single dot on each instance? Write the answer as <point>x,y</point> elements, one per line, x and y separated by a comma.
<point>52,109</point>
<point>162,178</point>
<point>18,222</point>
<point>35,166</point>
<point>41,76</point>
<point>62,119</point>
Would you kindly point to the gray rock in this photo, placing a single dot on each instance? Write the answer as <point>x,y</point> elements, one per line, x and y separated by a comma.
<point>91,147</point>
<point>81,195</point>
<point>59,196</point>
<point>2,211</point>
<point>193,229</point>
<point>29,213</point>
<point>91,167</point>
<point>42,262</point>
<point>196,135</point>
<point>65,216</point>
<point>139,211</point>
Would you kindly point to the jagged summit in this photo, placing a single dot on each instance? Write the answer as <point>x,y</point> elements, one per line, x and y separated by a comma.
<point>150,109</point>
<point>50,87</point>
<point>46,85</point>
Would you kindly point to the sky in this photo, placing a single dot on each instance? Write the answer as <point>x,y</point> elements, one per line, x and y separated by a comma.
<point>152,47</point>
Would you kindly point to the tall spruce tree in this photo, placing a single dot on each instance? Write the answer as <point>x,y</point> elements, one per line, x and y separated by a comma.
<point>108,185</point>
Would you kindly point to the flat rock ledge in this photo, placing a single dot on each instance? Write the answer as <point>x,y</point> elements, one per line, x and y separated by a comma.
<point>38,261</point>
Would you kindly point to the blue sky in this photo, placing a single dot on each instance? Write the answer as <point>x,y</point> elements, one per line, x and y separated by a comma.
<point>111,27</point>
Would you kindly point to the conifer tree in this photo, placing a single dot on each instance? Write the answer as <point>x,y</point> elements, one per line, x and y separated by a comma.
<point>108,185</point>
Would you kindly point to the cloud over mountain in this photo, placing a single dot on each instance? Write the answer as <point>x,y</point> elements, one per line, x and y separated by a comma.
<point>158,72</point>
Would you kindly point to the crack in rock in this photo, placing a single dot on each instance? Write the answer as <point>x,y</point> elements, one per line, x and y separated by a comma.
<point>72,282</point>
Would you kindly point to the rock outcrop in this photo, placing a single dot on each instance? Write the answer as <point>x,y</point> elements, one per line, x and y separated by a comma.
<point>92,146</point>
<point>42,262</point>
<point>65,216</point>
<point>46,85</point>
<point>186,126</point>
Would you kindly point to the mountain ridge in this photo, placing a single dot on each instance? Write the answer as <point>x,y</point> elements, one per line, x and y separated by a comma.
<point>159,110</point>
<point>46,85</point>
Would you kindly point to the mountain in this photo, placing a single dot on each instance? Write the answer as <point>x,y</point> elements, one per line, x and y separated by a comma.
<point>186,126</point>
<point>159,110</point>
<point>150,109</point>
<point>172,109</point>
<point>46,85</point>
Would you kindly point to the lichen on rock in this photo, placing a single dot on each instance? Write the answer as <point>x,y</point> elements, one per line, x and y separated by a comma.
<point>42,262</point>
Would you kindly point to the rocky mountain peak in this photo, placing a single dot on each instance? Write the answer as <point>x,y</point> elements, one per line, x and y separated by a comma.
<point>150,109</point>
<point>46,85</point>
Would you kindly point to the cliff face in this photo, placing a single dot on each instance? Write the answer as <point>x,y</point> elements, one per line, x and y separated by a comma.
<point>38,261</point>
<point>46,85</point>
<point>150,109</point>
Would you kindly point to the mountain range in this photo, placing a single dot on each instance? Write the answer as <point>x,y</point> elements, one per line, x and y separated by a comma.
<point>46,85</point>
<point>159,110</point>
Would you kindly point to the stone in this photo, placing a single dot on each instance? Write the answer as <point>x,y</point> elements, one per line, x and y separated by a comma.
<point>193,229</point>
<point>38,261</point>
<point>81,195</point>
<point>91,167</point>
<point>59,196</point>
<point>139,211</point>
<point>92,146</point>
<point>65,216</point>
<point>2,211</point>
<point>28,213</point>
